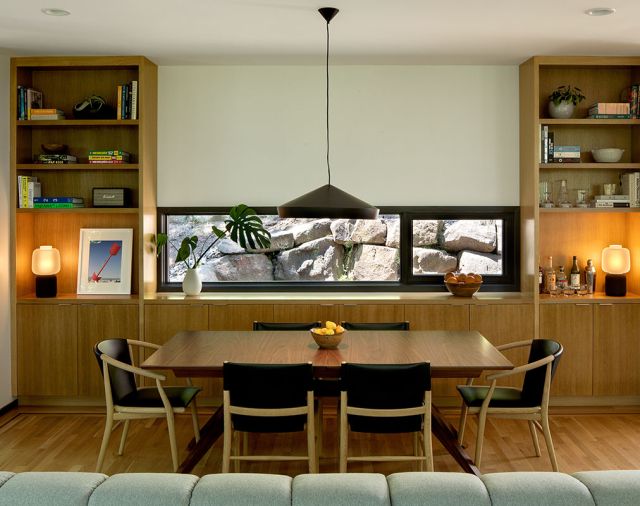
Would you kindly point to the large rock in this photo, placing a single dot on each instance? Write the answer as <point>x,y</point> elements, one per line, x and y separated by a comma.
<point>228,247</point>
<point>279,242</point>
<point>308,232</point>
<point>375,263</point>
<point>319,260</point>
<point>470,234</point>
<point>480,263</point>
<point>393,233</point>
<point>425,232</point>
<point>369,232</point>
<point>246,267</point>
<point>433,261</point>
<point>342,231</point>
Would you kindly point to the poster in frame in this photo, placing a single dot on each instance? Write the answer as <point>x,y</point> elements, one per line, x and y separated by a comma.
<point>104,261</point>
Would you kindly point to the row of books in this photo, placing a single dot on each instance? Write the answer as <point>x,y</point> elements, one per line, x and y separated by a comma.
<point>127,101</point>
<point>631,95</point>
<point>28,188</point>
<point>55,158</point>
<point>552,153</point>
<point>46,114</point>
<point>113,156</point>
<point>605,201</point>
<point>610,110</point>
<point>28,99</point>
<point>631,187</point>
<point>57,202</point>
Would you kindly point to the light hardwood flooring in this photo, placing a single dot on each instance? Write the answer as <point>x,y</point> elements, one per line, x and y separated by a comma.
<point>39,439</point>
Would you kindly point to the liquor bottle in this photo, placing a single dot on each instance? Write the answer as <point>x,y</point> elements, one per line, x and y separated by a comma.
<point>540,278</point>
<point>549,277</point>
<point>574,278</point>
<point>561,278</point>
<point>590,276</point>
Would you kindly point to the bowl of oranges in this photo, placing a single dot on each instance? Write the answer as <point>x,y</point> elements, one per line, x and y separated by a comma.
<point>329,336</point>
<point>462,285</point>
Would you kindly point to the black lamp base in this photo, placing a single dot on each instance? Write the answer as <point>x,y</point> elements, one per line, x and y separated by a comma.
<point>615,285</point>
<point>46,286</point>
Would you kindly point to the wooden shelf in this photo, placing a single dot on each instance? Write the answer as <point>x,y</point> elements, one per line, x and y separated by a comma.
<point>77,166</point>
<point>594,298</point>
<point>78,122</point>
<point>73,298</point>
<point>81,210</point>
<point>588,122</point>
<point>598,166</point>
<point>561,210</point>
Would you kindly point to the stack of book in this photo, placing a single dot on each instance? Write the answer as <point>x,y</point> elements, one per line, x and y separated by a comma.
<point>546,144</point>
<point>46,114</point>
<point>631,187</point>
<point>28,99</point>
<point>57,202</point>
<point>610,110</point>
<point>127,101</point>
<point>56,158</point>
<point>611,201</point>
<point>631,95</point>
<point>109,156</point>
<point>566,154</point>
<point>28,189</point>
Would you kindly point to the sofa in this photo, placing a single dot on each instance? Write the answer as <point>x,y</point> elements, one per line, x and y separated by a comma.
<point>597,488</point>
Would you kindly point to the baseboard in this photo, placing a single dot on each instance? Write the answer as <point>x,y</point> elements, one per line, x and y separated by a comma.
<point>13,404</point>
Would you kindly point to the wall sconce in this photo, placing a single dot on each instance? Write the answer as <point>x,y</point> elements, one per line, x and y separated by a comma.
<point>45,264</point>
<point>616,262</point>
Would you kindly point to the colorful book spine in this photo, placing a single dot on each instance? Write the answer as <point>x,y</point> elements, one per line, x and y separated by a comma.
<point>134,99</point>
<point>61,205</point>
<point>634,101</point>
<point>609,116</point>
<point>26,192</point>
<point>119,108</point>
<point>110,152</point>
<point>108,161</point>
<point>58,200</point>
<point>610,108</point>
<point>610,204</point>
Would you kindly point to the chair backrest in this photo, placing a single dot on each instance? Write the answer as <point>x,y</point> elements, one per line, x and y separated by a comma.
<point>285,326</point>
<point>268,386</point>
<point>375,326</point>
<point>122,382</point>
<point>533,385</point>
<point>385,386</point>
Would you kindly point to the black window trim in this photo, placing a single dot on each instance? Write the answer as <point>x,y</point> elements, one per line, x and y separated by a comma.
<point>508,282</point>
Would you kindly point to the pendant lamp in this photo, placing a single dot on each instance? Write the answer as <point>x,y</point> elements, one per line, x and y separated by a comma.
<point>328,201</point>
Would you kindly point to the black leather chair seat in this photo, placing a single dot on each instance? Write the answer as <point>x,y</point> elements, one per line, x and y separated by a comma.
<point>149,397</point>
<point>474,396</point>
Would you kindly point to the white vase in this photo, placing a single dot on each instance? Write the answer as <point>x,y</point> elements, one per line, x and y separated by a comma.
<point>192,284</point>
<point>563,110</point>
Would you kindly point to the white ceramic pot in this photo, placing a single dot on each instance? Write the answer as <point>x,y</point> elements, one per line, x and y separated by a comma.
<point>192,284</point>
<point>563,110</point>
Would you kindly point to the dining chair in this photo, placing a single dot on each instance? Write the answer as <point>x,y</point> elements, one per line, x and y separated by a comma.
<point>531,402</point>
<point>126,401</point>
<point>375,325</point>
<point>385,398</point>
<point>285,326</point>
<point>267,398</point>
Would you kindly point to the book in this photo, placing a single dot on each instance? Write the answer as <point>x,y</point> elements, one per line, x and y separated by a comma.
<point>575,149</point>
<point>110,152</point>
<point>551,147</point>
<point>605,204</point>
<point>631,186</point>
<point>119,105</point>
<point>56,157</point>
<point>609,116</point>
<point>107,157</point>
<point>545,144</point>
<point>38,112</point>
<point>60,205</point>
<point>566,154</point>
<point>610,108</point>
<point>34,101</point>
<point>134,99</point>
<point>611,197</point>
<point>58,200</point>
<point>108,161</point>
<point>566,160</point>
<point>23,190</point>
<point>42,117</point>
<point>33,190</point>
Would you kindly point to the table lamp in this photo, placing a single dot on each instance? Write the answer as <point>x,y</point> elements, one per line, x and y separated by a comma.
<point>616,263</point>
<point>45,264</point>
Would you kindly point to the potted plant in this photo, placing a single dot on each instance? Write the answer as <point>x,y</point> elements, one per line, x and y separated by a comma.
<point>563,101</point>
<point>243,227</point>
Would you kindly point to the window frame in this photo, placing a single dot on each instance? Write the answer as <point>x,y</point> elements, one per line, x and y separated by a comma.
<point>508,282</point>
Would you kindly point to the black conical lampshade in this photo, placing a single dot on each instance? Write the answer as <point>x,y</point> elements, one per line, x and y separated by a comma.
<point>328,202</point>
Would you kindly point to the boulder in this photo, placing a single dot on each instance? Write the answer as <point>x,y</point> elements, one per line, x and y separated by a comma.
<point>342,231</point>
<point>319,260</point>
<point>369,232</point>
<point>311,231</point>
<point>279,242</point>
<point>472,235</point>
<point>246,267</point>
<point>433,261</point>
<point>425,232</point>
<point>375,263</point>
<point>228,247</point>
<point>480,263</point>
<point>393,233</point>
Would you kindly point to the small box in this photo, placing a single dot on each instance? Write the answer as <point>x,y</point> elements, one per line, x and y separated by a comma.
<point>111,197</point>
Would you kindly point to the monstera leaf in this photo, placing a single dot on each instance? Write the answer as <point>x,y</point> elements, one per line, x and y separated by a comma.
<point>245,228</point>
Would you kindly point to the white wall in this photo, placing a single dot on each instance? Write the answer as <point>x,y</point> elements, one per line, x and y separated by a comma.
<point>5,330</point>
<point>400,135</point>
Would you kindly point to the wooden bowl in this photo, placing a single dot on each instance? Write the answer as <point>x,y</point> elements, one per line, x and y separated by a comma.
<point>54,148</point>
<point>327,342</point>
<point>463,289</point>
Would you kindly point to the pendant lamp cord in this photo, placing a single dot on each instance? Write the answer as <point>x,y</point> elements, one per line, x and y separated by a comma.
<point>327,72</point>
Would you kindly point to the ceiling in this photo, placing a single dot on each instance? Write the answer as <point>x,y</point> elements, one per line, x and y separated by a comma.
<point>292,32</point>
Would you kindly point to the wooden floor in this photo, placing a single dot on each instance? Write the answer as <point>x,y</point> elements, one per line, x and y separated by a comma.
<point>34,439</point>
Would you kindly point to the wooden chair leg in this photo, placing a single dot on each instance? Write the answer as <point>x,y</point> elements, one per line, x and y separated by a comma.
<point>108,427</point>
<point>549,441</point>
<point>228,429</point>
<point>426,439</point>
<point>123,439</point>
<point>237,451</point>
<point>319,416</point>
<point>482,420</point>
<point>416,451</point>
<point>534,437</point>
<point>464,410</point>
<point>344,433</point>
<point>194,420</point>
<point>172,440</point>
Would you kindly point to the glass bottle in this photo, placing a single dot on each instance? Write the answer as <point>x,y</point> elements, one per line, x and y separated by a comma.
<point>540,277</point>
<point>574,275</point>
<point>549,277</point>
<point>590,276</point>
<point>563,195</point>
<point>561,278</point>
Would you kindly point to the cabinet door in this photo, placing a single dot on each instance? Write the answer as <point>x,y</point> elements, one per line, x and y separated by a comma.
<point>616,350</point>
<point>372,313</point>
<point>97,322</point>
<point>47,336</point>
<point>505,323</point>
<point>572,326</point>
<point>307,312</point>
<point>238,316</point>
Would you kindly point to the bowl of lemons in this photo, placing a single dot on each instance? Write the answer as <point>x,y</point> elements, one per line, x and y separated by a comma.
<point>462,285</point>
<point>329,336</point>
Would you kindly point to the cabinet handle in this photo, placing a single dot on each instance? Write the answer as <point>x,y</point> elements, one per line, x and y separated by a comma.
<point>605,304</point>
<point>582,304</point>
<point>346,305</point>
<point>64,304</point>
<point>328,305</point>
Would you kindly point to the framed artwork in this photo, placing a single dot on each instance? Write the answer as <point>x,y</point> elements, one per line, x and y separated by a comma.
<point>104,261</point>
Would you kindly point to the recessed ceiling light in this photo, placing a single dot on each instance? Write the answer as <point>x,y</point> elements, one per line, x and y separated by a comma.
<point>600,11</point>
<point>52,11</point>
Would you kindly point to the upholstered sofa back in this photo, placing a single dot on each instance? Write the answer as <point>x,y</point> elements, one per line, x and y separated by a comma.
<point>594,488</point>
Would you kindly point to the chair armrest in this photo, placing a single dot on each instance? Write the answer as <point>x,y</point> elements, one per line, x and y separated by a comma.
<point>516,344</point>
<point>522,368</point>
<point>143,344</point>
<point>135,370</point>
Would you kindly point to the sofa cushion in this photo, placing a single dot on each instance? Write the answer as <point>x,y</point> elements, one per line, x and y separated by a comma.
<point>241,489</point>
<point>536,489</point>
<point>333,489</point>
<point>426,489</point>
<point>4,476</point>
<point>159,489</point>
<point>612,488</point>
<point>52,489</point>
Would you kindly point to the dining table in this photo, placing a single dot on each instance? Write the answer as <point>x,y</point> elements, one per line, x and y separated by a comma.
<point>452,354</point>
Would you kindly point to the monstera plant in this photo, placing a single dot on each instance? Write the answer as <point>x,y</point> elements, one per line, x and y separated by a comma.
<point>242,226</point>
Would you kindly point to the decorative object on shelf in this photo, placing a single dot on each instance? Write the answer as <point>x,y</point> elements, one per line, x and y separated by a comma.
<point>192,284</point>
<point>54,149</point>
<point>616,262</point>
<point>563,101</point>
<point>607,155</point>
<point>93,107</point>
<point>243,227</point>
<point>104,261</point>
<point>462,285</point>
<point>327,201</point>
<point>581,198</point>
<point>111,197</point>
<point>45,264</point>
<point>329,336</point>
<point>545,199</point>
<point>563,195</point>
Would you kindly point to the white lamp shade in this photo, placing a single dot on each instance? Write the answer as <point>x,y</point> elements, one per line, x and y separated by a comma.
<point>616,260</point>
<point>45,261</point>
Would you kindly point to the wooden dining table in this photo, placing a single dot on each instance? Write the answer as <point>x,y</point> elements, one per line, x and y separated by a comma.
<point>452,354</point>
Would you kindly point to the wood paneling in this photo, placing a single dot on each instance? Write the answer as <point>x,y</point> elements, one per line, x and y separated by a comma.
<point>572,326</point>
<point>372,313</point>
<point>307,312</point>
<point>238,316</point>
<point>47,337</point>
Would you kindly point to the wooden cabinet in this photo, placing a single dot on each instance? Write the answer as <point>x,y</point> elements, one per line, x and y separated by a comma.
<point>306,312</point>
<point>239,316</point>
<point>372,313</point>
<point>572,326</point>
